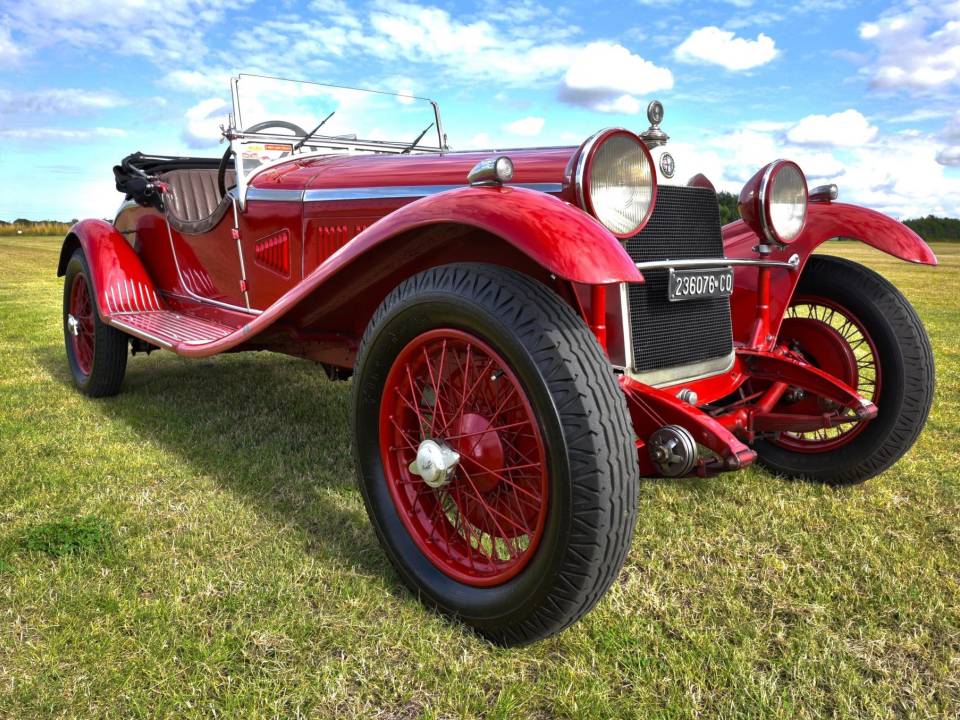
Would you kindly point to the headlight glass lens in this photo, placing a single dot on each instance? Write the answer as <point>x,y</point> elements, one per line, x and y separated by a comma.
<point>621,184</point>
<point>788,202</point>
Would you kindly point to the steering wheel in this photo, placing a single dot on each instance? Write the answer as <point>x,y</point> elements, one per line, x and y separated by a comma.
<point>225,160</point>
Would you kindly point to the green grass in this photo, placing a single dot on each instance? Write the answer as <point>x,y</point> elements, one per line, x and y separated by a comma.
<point>224,565</point>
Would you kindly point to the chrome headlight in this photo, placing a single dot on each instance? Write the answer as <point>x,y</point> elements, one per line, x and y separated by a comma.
<point>774,202</point>
<point>616,181</point>
<point>785,199</point>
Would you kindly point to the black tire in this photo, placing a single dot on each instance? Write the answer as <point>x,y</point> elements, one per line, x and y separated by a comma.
<point>109,361</point>
<point>906,363</point>
<point>582,414</point>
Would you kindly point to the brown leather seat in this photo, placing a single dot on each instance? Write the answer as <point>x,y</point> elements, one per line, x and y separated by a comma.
<point>193,203</point>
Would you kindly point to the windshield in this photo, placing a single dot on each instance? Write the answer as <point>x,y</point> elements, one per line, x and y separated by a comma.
<point>384,121</point>
<point>274,118</point>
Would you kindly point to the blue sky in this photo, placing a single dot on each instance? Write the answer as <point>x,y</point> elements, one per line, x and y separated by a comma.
<point>862,94</point>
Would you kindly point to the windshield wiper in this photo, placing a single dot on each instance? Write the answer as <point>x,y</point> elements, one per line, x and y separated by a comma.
<point>412,145</point>
<point>313,132</point>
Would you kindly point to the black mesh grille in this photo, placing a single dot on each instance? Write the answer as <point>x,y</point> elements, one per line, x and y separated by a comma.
<point>685,224</point>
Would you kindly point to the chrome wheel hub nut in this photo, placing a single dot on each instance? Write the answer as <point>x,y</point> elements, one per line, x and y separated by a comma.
<point>673,450</point>
<point>435,463</point>
<point>73,325</point>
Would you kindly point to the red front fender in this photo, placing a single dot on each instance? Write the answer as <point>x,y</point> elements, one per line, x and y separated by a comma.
<point>556,235</point>
<point>120,282</point>
<point>825,221</point>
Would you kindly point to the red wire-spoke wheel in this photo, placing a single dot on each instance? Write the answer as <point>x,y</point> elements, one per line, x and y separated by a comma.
<point>482,522</point>
<point>494,450</point>
<point>96,352</point>
<point>80,323</point>
<point>854,324</point>
<point>830,337</point>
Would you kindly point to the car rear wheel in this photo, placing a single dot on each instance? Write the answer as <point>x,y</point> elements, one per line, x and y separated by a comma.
<point>96,352</point>
<point>854,324</point>
<point>494,450</point>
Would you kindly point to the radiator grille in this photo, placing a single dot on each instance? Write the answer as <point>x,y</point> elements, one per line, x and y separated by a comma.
<point>685,224</point>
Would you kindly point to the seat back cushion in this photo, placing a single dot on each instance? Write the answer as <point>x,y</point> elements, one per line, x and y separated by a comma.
<point>193,201</point>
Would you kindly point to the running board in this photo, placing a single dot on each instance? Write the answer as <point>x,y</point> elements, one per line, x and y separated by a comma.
<point>169,329</point>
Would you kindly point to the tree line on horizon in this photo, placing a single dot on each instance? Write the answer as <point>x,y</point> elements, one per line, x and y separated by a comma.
<point>931,228</point>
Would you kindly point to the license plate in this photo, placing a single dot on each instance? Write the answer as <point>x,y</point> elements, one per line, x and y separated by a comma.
<point>699,284</point>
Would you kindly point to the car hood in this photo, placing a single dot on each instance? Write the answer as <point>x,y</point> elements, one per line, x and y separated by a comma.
<point>540,165</point>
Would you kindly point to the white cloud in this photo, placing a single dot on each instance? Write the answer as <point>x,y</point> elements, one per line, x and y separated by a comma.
<point>605,77</point>
<point>50,133</point>
<point>949,154</point>
<point>173,33</point>
<point>843,129</point>
<point>887,174</point>
<point>10,52</point>
<point>528,126</point>
<point>918,48</point>
<point>196,80</point>
<point>202,129</point>
<point>480,141</point>
<point>58,101</point>
<point>721,47</point>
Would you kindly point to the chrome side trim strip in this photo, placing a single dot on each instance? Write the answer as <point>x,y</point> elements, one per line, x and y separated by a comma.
<point>274,195</point>
<point>793,263</point>
<point>376,193</point>
<point>684,373</point>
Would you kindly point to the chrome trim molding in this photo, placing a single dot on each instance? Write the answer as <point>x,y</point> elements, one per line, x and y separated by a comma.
<point>399,191</point>
<point>678,374</point>
<point>792,263</point>
<point>581,169</point>
<point>274,195</point>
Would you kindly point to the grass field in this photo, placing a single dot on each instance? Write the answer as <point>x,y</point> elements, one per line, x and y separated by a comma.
<point>196,547</point>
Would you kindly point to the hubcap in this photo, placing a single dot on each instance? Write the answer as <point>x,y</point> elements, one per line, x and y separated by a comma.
<point>435,463</point>
<point>464,458</point>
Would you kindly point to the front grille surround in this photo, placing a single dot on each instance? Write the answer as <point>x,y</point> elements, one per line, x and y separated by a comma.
<point>670,342</point>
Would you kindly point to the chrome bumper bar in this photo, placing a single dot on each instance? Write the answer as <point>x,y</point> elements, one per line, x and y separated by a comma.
<point>792,263</point>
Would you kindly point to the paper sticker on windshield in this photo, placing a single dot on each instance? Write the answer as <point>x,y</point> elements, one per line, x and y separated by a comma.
<point>265,152</point>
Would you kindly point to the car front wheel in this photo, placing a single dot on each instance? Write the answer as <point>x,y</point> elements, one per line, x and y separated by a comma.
<point>494,450</point>
<point>96,352</point>
<point>851,322</point>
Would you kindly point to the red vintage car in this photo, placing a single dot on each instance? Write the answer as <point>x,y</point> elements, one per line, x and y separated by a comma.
<point>528,331</point>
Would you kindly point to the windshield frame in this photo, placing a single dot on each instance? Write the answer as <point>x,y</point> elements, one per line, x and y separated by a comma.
<point>317,144</point>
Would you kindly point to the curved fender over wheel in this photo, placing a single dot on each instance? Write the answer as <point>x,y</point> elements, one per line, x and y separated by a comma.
<point>557,236</point>
<point>561,238</point>
<point>825,221</point>
<point>120,282</point>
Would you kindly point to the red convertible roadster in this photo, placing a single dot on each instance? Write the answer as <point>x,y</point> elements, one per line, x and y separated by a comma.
<point>528,331</point>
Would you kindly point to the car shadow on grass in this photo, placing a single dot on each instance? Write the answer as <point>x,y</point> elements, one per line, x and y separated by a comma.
<point>272,429</point>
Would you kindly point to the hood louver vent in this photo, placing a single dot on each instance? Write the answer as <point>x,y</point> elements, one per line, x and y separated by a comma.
<point>273,252</point>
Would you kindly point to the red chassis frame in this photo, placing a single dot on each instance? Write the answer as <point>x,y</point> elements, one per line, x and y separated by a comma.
<point>760,298</point>
<point>564,248</point>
